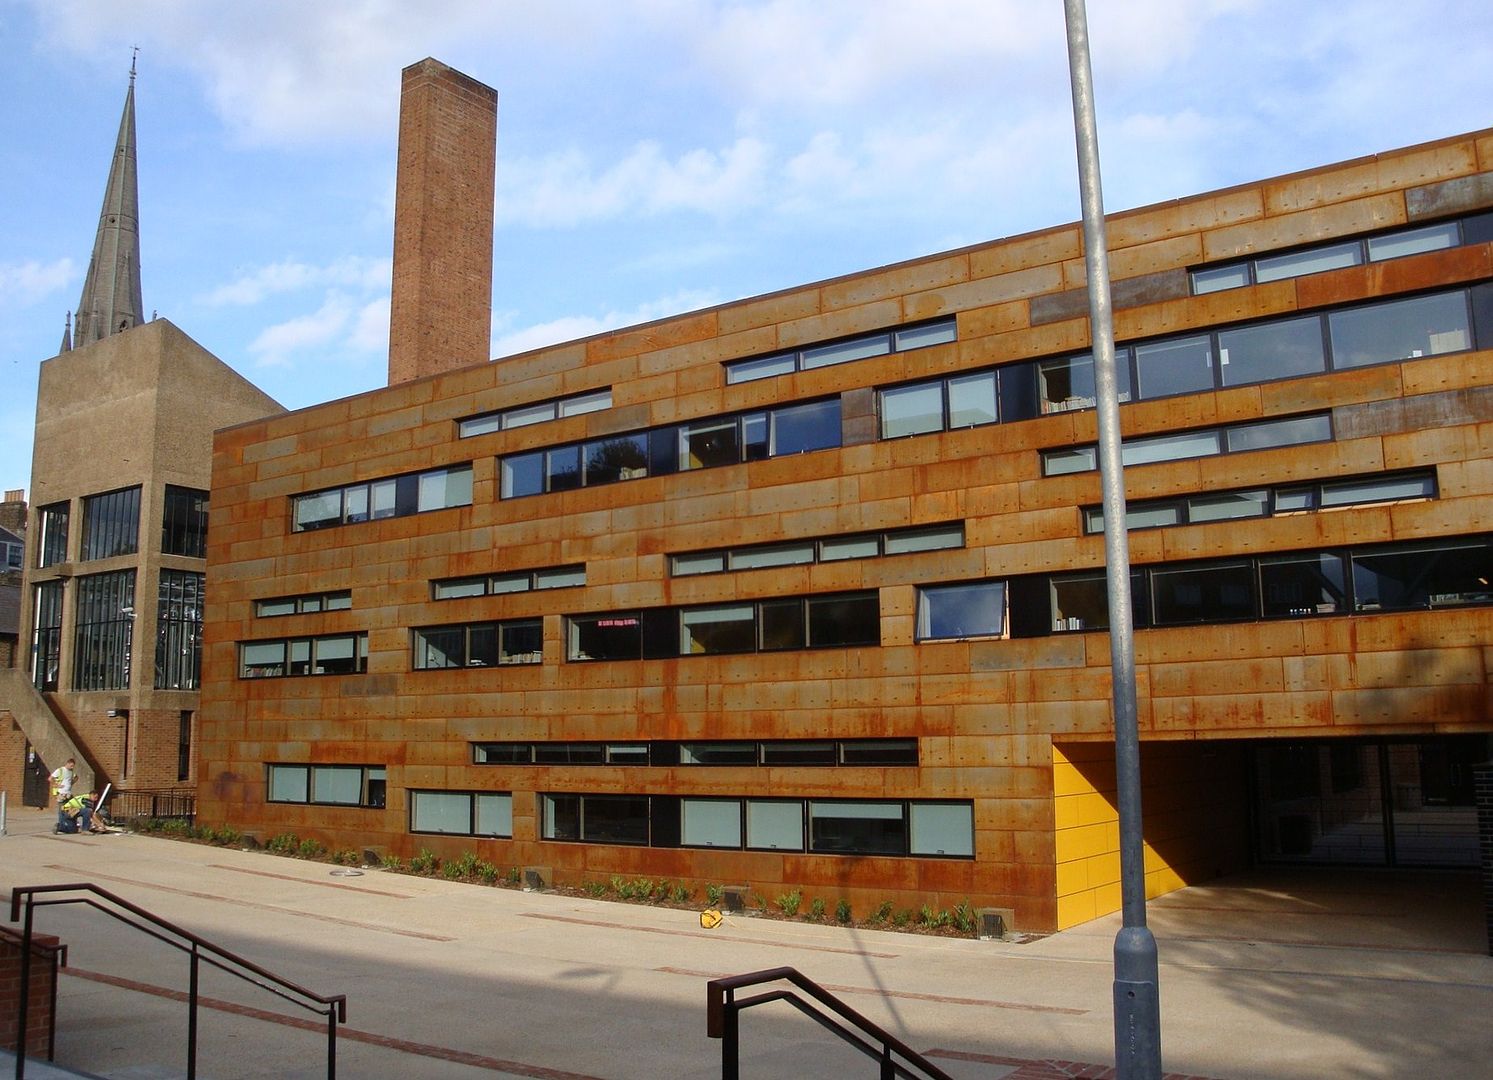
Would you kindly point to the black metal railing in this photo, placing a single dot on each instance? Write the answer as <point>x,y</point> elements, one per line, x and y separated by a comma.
<point>198,950</point>
<point>124,805</point>
<point>723,1009</point>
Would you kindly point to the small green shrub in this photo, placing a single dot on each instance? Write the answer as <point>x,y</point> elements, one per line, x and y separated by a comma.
<point>513,876</point>
<point>934,918</point>
<point>461,868</point>
<point>788,902</point>
<point>842,912</point>
<point>617,884</point>
<point>883,912</point>
<point>393,862</point>
<point>759,901</point>
<point>284,844</point>
<point>681,893</point>
<point>713,895</point>
<point>636,889</point>
<point>347,857</point>
<point>901,917</point>
<point>485,872</point>
<point>965,919</point>
<point>424,863</point>
<point>816,910</point>
<point>311,849</point>
<point>595,889</point>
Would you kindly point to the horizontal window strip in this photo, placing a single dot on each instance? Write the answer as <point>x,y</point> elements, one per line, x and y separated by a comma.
<point>938,537</point>
<point>1199,442</point>
<point>462,813</point>
<point>509,581</point>
<point>1338,494</point>
<point>1337,339</point>
<point>663,753</point>
<point>485,644</point>
<point>395,496</point>
<point>895,828</point>
<point>795,622</point>
<point>330,654</point>
<point>340,600</point>
<point>843,351</point>
<point>783,430</point>
<point>535,412</point>
<point>1362,580</point>
<point>326,785</point>
<point>1337,254</point>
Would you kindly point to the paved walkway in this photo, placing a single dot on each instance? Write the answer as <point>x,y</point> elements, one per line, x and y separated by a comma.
<point>1283,976</point>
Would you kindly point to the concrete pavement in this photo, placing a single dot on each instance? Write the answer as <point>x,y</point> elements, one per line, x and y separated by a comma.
<point>1282,976</point>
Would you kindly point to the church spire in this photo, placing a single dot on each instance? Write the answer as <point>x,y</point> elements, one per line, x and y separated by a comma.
<point>111,292</point>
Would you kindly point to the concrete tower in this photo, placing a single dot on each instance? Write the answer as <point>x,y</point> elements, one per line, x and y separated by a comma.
<point>111,291</point>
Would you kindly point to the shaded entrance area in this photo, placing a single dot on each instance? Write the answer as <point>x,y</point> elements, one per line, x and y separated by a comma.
<point>1380,802</point>
<point>1333,907</point>
<point>1298,819</point>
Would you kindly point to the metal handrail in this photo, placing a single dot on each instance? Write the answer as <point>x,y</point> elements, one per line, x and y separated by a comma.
<point>722,1009</point>
<point>200,951</point>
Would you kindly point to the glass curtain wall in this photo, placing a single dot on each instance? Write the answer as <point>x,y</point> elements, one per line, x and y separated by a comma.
<point>106,621</point>
<point>179,631</point>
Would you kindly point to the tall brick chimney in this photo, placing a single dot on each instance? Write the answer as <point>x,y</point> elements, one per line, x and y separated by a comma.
<point>440,315</point>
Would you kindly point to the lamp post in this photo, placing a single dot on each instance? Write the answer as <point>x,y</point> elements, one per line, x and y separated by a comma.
<point>1136,998</point>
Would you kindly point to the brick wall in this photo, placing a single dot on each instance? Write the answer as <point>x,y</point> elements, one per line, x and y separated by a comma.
<point>441,309</point>
<point>40,1017</point>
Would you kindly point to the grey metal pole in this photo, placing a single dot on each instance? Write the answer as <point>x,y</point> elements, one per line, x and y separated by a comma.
<point>1136,998</point>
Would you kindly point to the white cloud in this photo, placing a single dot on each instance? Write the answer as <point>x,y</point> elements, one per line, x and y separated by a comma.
<point>291,276</point>
<point>509,341</point>
<point>568,189</point>
<point>276,345</point>
<point>25,283</point>
<point>370,331</point>
<point>285,72</point>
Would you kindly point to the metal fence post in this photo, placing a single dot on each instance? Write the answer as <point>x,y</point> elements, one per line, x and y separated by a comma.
<point>730,1050</point>
<point>192,1018</point>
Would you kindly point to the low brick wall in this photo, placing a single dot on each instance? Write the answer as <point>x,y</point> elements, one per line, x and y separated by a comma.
<point>41,1018</point>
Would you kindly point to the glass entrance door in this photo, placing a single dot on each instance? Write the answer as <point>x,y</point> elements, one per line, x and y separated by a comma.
<point>1368,802</point>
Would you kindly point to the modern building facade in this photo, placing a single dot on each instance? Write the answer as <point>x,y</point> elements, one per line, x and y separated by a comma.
<point>806,591</point>
<point>115,550</point>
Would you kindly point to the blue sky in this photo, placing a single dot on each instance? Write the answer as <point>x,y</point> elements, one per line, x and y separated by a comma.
<point>654,156</point>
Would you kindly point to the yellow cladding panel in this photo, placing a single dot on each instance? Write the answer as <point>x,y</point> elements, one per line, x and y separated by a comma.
<point>1075,909</point>
<point>1084,842</point>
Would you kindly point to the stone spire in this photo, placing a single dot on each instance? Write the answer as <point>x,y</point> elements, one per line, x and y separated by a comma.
<point>111,291</point>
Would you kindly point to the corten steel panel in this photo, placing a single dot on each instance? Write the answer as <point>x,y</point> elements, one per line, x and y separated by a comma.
<point>1450,196</point>
<point>1336,184</point>
<point>1044,248</point>
<point>898,282</point>
<point>1306,226</point>
<point>985,712</point>
<point>994,319</point>
<point>983,292</point>
<point>658,335</point>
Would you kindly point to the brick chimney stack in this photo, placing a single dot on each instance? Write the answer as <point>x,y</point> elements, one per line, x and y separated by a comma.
<point>440,314</point>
